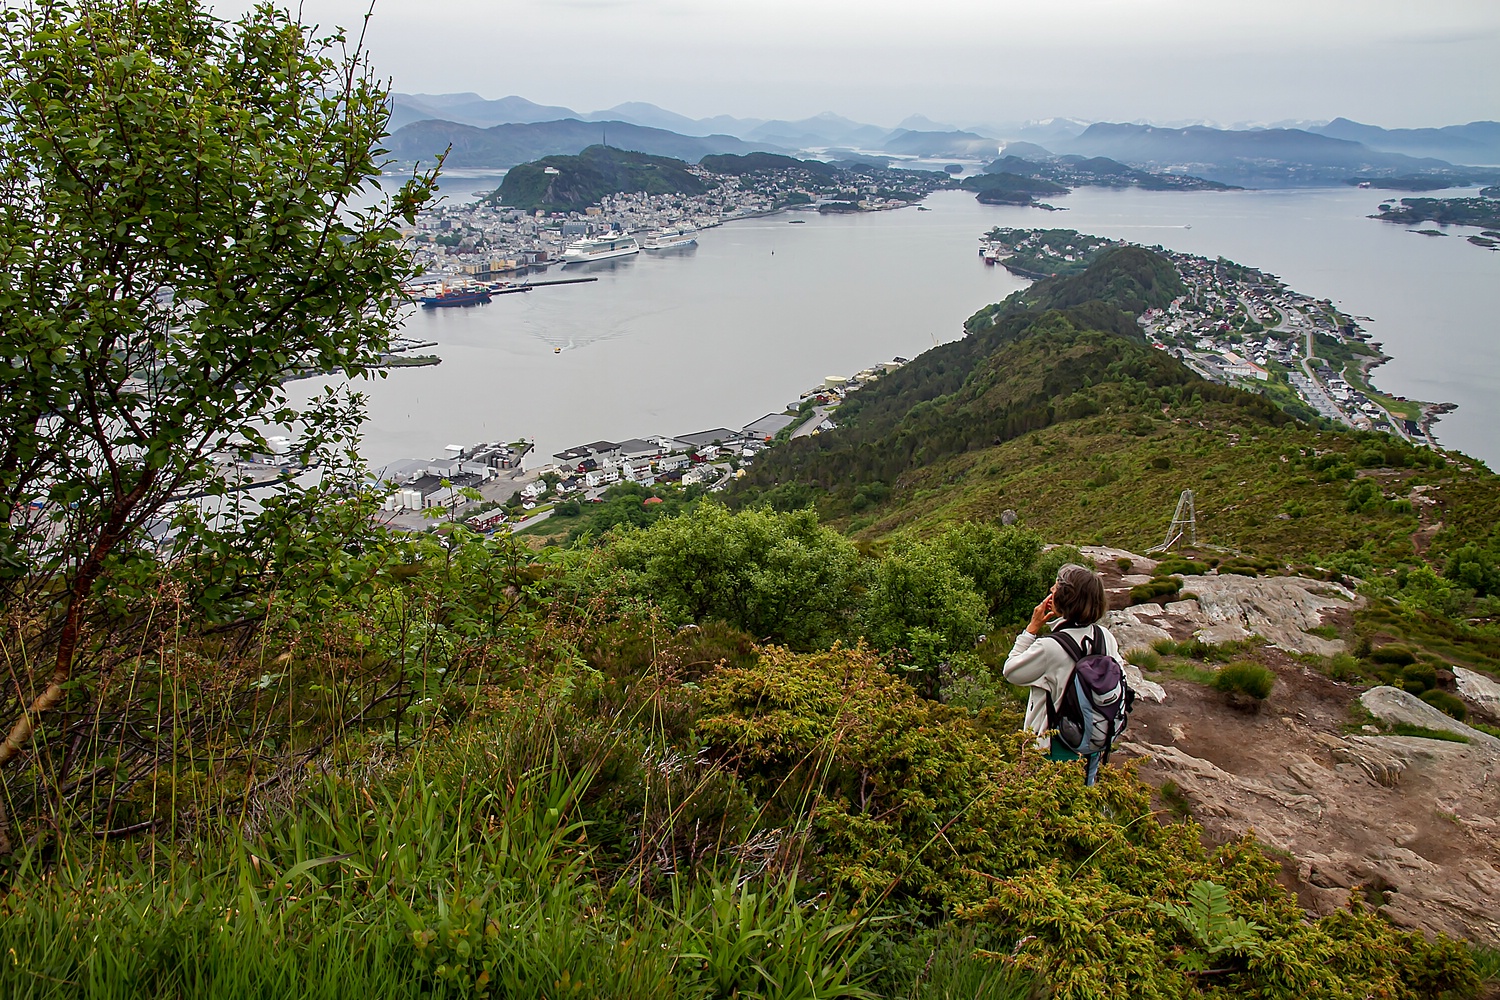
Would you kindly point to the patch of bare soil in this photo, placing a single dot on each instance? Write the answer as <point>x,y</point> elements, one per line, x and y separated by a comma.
<point>1407,823</point>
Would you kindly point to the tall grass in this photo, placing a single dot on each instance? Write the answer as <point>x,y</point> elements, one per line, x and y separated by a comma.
<point>421,884</point>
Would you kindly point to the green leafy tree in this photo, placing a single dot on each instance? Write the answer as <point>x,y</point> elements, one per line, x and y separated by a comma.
<point>921,601</point>
<point>1006,564</point>
<point>179,235</point>
<point>779,576</point>
<point>1474,567</point>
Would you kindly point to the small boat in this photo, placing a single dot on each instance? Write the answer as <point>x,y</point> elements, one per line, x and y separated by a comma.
<point>557,350</point>
<point>668,239</point>
<point>797,222</point>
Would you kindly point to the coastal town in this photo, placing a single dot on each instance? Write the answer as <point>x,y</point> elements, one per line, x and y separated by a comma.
<point>488,488</point>
<point>1234,325</point>
<point>1241,326</point>
<point>484,240</point>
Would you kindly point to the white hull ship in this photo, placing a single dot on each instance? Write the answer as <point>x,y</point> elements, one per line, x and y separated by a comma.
<point>669,239</point>
<point>599,248</point>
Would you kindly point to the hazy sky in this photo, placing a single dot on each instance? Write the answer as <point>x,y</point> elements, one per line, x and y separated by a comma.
<point>1397,63</point>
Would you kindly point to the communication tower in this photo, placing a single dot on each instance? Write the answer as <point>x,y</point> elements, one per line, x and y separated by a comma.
<point>1184,524</point>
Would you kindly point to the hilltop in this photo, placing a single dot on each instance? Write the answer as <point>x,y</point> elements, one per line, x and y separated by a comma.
<point>573,183</point>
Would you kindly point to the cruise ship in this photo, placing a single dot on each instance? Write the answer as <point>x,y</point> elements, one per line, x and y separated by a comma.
<point>669,239</point>
<point>600,248</point>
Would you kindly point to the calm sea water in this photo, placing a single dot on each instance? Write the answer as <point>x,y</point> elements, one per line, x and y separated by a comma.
<point>763,309</point>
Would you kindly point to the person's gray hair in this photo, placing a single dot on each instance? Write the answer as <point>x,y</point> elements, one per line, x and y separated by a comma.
<point>1079,597</point>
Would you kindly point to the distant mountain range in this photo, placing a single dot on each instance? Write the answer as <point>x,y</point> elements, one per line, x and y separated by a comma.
<point>506,145</point>
<point>1262,156</point>
<point>511,130</point>
<point>1477,143</point>
<point>471,109</point>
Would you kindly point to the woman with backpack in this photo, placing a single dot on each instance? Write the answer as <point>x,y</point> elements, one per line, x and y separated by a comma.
<point>1079,699</point>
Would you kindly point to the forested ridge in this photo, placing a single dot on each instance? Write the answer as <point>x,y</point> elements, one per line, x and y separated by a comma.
<point>1023,364</point>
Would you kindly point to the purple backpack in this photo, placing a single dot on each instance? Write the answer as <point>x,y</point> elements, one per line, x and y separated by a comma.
<point>1095,703</point>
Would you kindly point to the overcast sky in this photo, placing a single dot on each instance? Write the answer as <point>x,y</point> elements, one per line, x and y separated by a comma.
<point>1397,63</point>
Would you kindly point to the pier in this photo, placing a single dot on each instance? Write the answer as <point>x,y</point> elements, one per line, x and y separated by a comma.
<point>555,281</point>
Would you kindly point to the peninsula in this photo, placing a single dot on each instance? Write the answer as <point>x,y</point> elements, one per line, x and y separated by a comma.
<point>1240,326</point>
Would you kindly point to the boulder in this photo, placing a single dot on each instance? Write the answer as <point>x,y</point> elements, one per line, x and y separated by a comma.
<point>1394,706</point>
<point>1478,690</point>
<point>1149,690</point>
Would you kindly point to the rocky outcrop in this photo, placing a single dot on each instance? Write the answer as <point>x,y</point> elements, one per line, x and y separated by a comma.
<point>1481,692</point>
<point>1407,823</point>
<point>1280,609</point>
<point>1395,706</point>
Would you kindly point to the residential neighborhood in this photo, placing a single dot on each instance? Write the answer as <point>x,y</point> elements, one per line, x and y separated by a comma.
<point>488,488</point>
<point>1240,326</point>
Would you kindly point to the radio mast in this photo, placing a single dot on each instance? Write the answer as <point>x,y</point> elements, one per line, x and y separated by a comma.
<point>1184,524</point>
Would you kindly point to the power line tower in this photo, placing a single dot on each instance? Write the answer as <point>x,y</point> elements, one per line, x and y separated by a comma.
<point>1184,524</point>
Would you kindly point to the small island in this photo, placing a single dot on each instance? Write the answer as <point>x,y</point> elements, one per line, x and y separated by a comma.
<point>1482,212</point>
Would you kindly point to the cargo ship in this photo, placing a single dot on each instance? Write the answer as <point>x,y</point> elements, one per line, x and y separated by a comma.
<point>462,296</point>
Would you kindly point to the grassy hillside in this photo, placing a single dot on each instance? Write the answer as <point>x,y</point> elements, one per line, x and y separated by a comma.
<point>1053,408</point>
<point>580,181</point>
<point>1025,364</point>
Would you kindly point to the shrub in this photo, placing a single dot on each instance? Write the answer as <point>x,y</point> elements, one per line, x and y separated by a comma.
<point>1245,677</point>
<point>1154,590</point>
<point>1146,659</point>
<point>1180,565</point>
<point>1125,564</point>
<point>925,808</point>
<point>1343,667</point>
<point>1450,705</point>
<point>1396,656</point>
<point>1418,677</point>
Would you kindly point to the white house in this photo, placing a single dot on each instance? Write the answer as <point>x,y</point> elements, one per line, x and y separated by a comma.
<point>637,470</point>
<point>534,489</point>
<point>601,477</point>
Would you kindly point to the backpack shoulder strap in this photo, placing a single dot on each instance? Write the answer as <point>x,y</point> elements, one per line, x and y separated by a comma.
<point>1069,645</point>
<point>1099,647</point>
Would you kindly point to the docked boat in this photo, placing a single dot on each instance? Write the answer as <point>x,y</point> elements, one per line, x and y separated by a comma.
<point>463,295</point>
<point>668,239</point>
<point>600,248</point>
<point>505,287</point>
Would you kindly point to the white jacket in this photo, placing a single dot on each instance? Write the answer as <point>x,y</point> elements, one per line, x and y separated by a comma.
<point>1043,665</point>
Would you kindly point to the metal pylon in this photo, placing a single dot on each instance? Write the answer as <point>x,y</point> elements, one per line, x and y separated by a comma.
<point>1184,524</point>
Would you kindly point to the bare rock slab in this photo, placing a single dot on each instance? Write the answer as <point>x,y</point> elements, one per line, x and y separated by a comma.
<point>1280,609</point>
<point>1396,706</point>
<point>1478,690</point>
